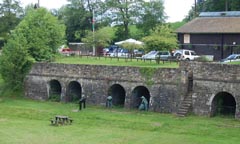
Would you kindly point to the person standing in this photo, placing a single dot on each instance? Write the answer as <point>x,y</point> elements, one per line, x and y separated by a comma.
<point>109,102</point>
<point>82,103</point>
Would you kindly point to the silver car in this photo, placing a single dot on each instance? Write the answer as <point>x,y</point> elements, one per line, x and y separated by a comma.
<point>231,58</point>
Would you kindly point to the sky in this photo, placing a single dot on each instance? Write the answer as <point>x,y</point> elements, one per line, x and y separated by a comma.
<point>176,10</point>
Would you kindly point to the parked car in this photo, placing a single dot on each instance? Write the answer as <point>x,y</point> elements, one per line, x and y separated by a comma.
<point>65,51</point>
<point>138,53</point>
<point>157,54</point>
<point>150,55</point>
<point>120,52</point>
<point>184,54</point>
<point>163,55</point>
<point>231,58</point>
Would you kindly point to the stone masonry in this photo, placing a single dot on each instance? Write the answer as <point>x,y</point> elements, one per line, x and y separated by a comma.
<point>166,88</point>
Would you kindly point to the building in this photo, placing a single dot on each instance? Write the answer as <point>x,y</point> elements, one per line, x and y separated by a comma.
<point>212,33</point>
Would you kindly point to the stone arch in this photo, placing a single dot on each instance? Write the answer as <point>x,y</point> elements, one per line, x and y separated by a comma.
<point>118,94</point>
<point>136,96</point>
<point>55,90</point>
<point>223,103</point>
<point>74,92</point>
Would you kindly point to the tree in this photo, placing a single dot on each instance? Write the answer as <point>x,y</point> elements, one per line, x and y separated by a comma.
<point>161,38</point>
<point>78,17</point>
<point>213,6</point>
<point>102,37</point>
<point>125,10</point>
<point>152,15</point>
<point>10,15</point>
<point>36,38</point>
<point>222,5</point>
<point>43,32</point>
<point>15,61</point>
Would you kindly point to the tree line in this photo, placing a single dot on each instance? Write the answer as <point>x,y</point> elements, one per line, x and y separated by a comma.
<point>212,6</point>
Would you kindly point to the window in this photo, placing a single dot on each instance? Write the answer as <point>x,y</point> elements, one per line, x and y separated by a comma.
<point>187,53</point>
<point>186,38</point>
<point>193,53</point>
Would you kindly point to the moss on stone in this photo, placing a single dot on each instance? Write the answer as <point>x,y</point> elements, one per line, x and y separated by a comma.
<point>148,73</point>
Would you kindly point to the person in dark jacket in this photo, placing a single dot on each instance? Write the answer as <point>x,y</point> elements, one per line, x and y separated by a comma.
<point>82,103</point>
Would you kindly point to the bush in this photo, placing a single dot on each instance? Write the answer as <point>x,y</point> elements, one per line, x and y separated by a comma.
<point>15,61</point>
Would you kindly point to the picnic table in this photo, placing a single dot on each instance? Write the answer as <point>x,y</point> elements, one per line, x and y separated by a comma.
<point>61,120</point>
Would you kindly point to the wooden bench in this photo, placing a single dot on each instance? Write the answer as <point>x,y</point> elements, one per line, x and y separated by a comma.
<point>61,120</point>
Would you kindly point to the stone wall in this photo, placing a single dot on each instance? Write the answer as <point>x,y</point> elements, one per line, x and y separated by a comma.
<point>211,79</point>
<point>166,87</point>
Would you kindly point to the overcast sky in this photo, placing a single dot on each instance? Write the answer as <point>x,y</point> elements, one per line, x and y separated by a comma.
<point>176,10</point>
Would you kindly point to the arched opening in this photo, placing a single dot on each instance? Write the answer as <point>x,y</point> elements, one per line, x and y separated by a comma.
<point>118,95</point>
<point>74,92</point>
<point>136,96</point>
<point>223,104</point>
<point>55,90</point>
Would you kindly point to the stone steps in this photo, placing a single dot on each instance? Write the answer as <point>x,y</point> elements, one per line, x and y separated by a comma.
<point>185,106</point>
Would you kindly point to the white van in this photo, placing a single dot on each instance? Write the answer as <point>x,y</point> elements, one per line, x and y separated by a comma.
<point>184,54</point>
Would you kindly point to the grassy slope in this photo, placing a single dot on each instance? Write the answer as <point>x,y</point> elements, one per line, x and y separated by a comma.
<point>23,121</point>
<point>114,61</point>
<point>28,122</point>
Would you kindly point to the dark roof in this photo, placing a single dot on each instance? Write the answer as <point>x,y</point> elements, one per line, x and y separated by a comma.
<point>211,24</point>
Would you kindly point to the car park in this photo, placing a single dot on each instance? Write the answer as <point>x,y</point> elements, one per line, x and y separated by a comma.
<point>184,54</point>
<point>231,58</point>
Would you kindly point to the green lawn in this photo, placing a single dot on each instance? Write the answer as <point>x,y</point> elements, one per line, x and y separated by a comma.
<point>24,121</point>
<point>114,61</point>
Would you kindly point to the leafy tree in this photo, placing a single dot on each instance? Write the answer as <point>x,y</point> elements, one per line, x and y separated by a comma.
<point>78,17</point>
<point>161,38</point>
<point>10,15</point>
<point>135,32</point>
<point>101,38</point>
<point>213,6</point>
<point>15,61</point>
<point>176,25</point>
<point>43,32</point>
<point>152,14</point>
<point>219,5</point>
<point>36,38</point>
<point>125,10</point>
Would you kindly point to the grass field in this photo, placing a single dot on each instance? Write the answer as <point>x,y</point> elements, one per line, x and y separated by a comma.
<point>114,61</point>
<point>24,121</point>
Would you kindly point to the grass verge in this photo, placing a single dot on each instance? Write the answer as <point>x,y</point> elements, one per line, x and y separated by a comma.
<point>114,61</point>
<point>28,122</point>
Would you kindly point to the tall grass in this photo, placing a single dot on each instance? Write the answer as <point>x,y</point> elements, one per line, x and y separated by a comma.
<point>24,121</point>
